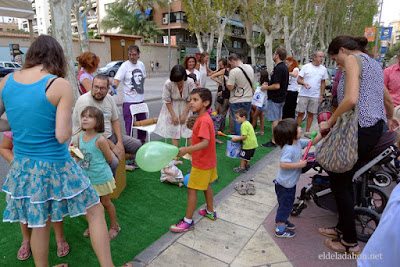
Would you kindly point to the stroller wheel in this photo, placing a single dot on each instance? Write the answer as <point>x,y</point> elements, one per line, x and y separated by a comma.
<point>297,209</point>
<point>377,198</point>
<point>304,194</point>
<point>382,178</point>
<point>366,221</point>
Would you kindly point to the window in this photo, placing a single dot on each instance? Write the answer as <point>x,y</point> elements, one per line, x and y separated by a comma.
<point>176,17</point>
<point>237,44</point>
<point>9,65</point>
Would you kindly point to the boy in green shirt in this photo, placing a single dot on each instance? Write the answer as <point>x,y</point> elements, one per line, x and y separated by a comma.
<point>248,137</point>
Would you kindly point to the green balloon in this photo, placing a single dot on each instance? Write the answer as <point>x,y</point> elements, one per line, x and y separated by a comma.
<point>154,156</point>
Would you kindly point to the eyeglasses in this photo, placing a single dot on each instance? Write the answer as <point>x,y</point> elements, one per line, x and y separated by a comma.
<point>132,55</point>
<point>103,89</point>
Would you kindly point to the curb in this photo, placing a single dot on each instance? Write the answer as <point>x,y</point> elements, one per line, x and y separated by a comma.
<point>154,250</point>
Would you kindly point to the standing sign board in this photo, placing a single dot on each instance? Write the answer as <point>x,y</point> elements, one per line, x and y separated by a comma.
<point>15,53</point>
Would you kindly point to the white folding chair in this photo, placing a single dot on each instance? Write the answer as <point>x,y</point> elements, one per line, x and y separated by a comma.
<point>141,108</point>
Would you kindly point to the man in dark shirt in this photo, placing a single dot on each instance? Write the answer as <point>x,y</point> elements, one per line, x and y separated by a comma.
<point>276,91</point>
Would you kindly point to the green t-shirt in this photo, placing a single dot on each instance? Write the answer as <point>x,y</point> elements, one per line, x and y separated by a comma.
<point>251,141</point>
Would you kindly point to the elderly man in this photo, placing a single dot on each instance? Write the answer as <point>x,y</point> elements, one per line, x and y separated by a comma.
<point>99,98</point>
<point>312,78</point>
<point>240,83</point>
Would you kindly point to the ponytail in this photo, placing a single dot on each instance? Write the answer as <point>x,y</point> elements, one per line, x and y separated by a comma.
<point>348,42</point>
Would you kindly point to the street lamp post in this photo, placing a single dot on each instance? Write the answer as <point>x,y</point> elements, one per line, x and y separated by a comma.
<point>377,33</point>
<point>169,36</point>
<point>123,49</point>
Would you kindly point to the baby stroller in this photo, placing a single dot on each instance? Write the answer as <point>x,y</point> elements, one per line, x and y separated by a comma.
<point>370,200</point>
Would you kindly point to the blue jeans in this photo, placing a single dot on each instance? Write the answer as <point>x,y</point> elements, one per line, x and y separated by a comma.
<point>285,202</point>
<point>234,107</point>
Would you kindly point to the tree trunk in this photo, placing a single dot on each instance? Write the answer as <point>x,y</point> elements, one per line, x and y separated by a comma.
<point>199,41</point>
<point>268,51</point>
<point>286,36</point>
<point>61,31</point>
<point>253,55</point>
<point>210,42</point>
<point>221,34</point>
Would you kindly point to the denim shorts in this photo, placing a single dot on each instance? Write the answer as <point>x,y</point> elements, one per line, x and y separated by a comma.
<point>274,110</point>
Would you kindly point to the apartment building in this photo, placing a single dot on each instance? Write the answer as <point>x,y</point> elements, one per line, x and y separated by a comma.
<point>41,22</point>
<point>395,32</point>
<point>184,40</point>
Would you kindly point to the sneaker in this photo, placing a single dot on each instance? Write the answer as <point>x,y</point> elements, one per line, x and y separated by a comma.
<point>247,168</point>
<point>307,134</point>
<point>269,144</point>
<point>182,226</point>
<point>289,226</point>
<point>284,233</point>
<point>211,216</point>
<point>238,169</point>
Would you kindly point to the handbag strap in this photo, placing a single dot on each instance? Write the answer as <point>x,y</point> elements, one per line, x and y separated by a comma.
<point>360,66</point>
<point>247,77</point>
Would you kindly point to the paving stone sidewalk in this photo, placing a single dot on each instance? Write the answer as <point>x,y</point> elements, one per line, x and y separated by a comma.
<point>243,234</point>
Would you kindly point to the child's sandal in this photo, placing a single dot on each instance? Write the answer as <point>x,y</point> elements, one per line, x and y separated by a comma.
<point>241,188</point>
<point>250,188</point>
<point>62,248</point>
<point>24,251</point>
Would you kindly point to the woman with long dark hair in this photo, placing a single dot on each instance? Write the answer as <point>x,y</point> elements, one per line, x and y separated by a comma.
<point>365,89</point>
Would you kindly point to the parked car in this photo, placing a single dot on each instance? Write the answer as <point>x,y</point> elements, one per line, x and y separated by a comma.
<point>10,65</point>
<point>111,68</point>
<point>5,71</point>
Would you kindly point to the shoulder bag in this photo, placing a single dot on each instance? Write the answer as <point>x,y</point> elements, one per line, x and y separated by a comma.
<point>338,151</point>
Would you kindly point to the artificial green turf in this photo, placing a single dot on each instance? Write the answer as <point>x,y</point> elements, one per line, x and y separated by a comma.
<point>145,210</point>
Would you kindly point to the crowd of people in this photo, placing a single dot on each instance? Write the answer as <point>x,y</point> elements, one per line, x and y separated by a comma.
<point>37,146</point>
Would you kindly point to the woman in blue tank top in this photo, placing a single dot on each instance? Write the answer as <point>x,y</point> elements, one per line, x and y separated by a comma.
<point>44,183</point>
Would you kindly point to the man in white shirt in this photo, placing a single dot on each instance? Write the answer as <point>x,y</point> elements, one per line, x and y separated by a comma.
<point>133,74</point>
<point>240,83</point>
<point>312,77</point>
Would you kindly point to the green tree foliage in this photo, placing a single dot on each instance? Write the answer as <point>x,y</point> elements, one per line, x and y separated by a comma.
<point>393,51</point>
<point>123,16</point>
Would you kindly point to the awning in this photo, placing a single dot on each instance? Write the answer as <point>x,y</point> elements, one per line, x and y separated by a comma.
<point>234,22</point>
<point>16,8</point>
<point>146,13</point>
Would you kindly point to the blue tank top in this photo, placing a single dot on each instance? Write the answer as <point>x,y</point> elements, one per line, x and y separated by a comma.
<point>33,121</point>
<point>94,162</point>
